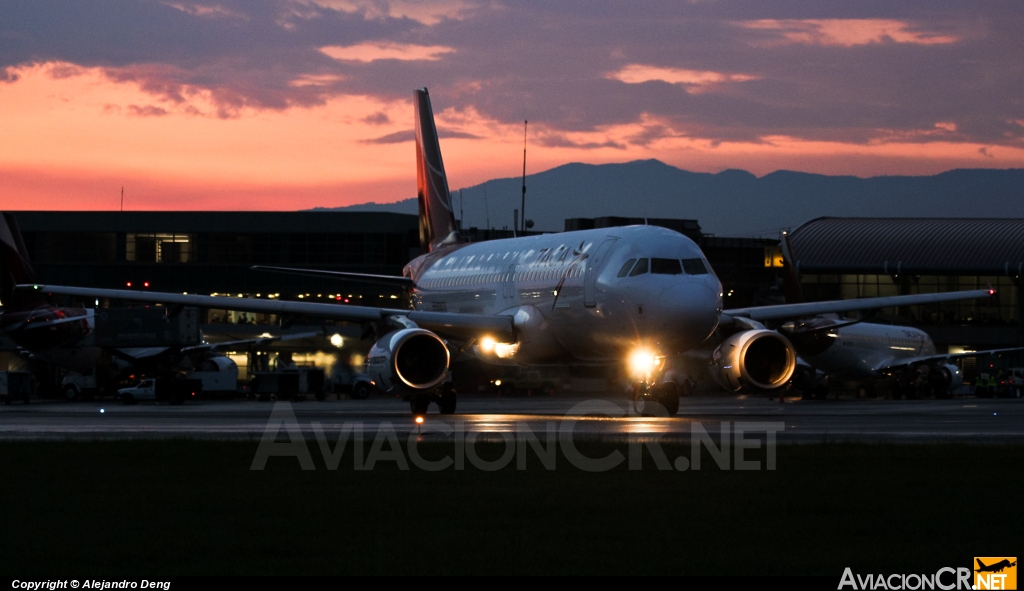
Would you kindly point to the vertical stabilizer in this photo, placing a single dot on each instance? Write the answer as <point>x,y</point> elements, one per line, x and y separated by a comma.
<point>437,221</point>
<point>14,267</point>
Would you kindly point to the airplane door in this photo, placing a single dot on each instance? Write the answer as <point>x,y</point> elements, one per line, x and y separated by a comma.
<point>594,264</point>
<point>508,286</point>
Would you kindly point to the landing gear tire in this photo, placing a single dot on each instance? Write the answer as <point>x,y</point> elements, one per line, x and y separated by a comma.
<point>70,393</point>
<point>446,400</point>
<point>641,405</point>
<point>418,404</point>
<point>360,391</point>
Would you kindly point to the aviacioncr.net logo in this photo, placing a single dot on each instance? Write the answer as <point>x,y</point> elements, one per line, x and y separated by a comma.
<point>995,572</point>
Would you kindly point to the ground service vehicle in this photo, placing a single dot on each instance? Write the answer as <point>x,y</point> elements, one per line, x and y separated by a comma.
<point>170,391</point>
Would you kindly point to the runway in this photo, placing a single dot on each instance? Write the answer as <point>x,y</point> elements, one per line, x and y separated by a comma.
<point>608,417</point>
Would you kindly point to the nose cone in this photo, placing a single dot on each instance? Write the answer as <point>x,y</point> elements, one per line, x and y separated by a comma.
<point>687,314</point>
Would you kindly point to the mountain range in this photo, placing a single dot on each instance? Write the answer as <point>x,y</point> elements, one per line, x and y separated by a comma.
<point>731,202</point>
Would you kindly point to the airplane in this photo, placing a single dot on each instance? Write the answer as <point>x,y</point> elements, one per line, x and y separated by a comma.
<point>832,348</point>
<point>994,568</point>
<point>589,297</point>
<point>869,352</point>
<point>27,317</point>
<point>59,336</point>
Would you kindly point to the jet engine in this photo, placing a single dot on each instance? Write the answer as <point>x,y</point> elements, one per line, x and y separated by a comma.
<point>942,378</point>
<point>408,360</point>
<point>759,359</point>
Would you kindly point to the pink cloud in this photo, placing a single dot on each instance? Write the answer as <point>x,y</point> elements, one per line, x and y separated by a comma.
<point>847,32</point>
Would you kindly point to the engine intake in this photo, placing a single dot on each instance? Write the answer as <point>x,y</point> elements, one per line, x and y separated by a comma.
<point>943,378</point>
<point>760,359</point>
<point>408,359</point>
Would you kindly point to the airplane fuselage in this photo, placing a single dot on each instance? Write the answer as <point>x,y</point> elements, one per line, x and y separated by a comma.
<point>854,351</point>
<point>586,296</point>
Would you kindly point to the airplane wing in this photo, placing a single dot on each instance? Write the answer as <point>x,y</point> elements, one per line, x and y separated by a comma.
<point>948,357</point>
<point>446,324</point>
<point>342,275</point>
<point>256,342</point>
<point>790,311</point>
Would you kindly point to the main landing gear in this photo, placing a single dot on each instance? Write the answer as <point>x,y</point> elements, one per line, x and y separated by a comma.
<point>444,397</point>
<point>653,399</point>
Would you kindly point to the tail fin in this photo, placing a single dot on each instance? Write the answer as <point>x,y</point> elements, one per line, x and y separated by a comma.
<point>15,268</point>
<point>437,221</point>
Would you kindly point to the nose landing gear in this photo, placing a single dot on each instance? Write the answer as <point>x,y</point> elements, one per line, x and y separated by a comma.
<point>653,399</point>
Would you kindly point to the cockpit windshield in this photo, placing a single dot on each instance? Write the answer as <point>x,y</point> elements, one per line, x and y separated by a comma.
<point>658,266</point>
<point>666,267</point>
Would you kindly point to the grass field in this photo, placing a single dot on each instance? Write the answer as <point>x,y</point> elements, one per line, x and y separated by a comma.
<point>148,508</point>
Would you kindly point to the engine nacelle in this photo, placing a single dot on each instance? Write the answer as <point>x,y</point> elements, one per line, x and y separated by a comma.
<point>943,378</point>
<point>760,359</point>
<point>411,359</point>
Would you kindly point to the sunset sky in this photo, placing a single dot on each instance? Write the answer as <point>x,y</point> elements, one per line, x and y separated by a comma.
<point>284,105</point>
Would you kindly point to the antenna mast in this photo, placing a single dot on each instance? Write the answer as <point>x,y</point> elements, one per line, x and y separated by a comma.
<point>487,208</point>
<point>523,204</point>
<point>122,198</point>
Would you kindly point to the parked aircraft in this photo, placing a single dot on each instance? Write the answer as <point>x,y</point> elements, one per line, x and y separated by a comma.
<point>599,296</point>
<point>836,349</point>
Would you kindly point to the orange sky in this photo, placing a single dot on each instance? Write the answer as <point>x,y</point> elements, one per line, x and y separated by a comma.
<point>73,135</point>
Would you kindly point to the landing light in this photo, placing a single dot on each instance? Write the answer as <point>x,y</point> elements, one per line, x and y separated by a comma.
<point>642,362</point>
<point>336,340</point>
<point>506,350</point>
<point>487,344</point>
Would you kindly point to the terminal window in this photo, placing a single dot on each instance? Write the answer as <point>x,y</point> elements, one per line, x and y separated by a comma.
<point>158,248</point>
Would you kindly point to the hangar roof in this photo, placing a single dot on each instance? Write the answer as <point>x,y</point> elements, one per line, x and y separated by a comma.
<point>909,245</point>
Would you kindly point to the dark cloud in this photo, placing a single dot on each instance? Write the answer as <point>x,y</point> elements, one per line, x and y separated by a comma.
<point>410,135</point>
<point>551,62</point>
<point>146,111</point>
<point>378,118</point>
<point>561,141</point>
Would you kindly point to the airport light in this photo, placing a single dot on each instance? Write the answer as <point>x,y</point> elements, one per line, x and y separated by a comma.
<point>128,283</point>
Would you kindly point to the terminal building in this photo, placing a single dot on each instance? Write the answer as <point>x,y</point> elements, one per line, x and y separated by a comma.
<point>212,252</point>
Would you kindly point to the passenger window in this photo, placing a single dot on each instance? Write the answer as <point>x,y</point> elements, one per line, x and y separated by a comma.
<point>666,267</point>
<point>626,267</point>
<point>640,268</point>
<point>695,267</point>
